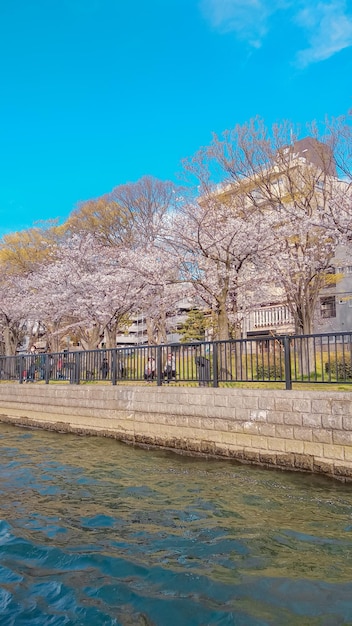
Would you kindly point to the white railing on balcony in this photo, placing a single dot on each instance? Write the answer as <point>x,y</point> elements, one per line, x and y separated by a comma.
<point>270,317</point>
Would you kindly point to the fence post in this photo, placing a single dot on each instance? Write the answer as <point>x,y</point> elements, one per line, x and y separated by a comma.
<point>287,354</point>
<point>77,368</point>
<point>113,367</point>
<point>47,368</point>
<point>215,365</point>
<point>21,367</point>
<point>159,366</point>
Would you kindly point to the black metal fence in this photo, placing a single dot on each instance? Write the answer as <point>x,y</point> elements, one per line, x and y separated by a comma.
<point>323,358</point>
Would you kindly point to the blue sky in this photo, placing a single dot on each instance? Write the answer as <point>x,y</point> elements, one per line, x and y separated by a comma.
<point>97,93</point>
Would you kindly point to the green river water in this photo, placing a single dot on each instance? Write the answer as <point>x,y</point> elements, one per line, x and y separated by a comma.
<point>95,532</point>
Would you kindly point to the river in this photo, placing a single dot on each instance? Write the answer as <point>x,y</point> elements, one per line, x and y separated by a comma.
<point>95,532</point>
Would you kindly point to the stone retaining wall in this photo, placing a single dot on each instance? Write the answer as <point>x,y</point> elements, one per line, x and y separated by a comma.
<point>301,430</point>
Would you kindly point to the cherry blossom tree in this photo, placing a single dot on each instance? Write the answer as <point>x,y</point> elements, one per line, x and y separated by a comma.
<point>14,323</point>
<point>293,185</point>
<point>217,243</point>
<point>131,220</point>
<point>154,268</point>
<point>86,292</point>
<point>218,236</point>
<point>20,254</point>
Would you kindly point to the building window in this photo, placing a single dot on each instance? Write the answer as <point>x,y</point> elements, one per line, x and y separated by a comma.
<point>347,269</point>
<point>256,195</point>
<point>328,307</point>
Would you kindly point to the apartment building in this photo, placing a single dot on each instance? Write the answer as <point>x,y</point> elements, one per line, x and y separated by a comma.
<point>304,160</point>
<point>136,333</point>
<point>334,309</point>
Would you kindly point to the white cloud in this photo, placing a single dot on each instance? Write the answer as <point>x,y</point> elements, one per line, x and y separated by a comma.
<point>326,26</point>
<point>247,18</point>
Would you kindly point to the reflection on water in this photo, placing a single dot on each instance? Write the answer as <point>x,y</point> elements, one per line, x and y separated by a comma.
<point>94,532</point>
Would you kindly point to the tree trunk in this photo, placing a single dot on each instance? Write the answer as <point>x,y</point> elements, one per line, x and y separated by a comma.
<point>305,348</point>
<point>91,338</point>
<point>224,355</point>
<point>10,341</point>
<point>110,335</point>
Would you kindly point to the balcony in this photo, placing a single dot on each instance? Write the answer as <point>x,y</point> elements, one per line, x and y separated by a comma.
<point>272,318</point>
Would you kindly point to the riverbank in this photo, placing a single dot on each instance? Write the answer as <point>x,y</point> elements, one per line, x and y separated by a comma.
<point>296,430</point>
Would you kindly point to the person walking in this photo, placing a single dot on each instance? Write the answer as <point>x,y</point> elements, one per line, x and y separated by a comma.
<point>104,368</point>
<point>149,371</point>
<point>170,368</point>
<point>31,364</point>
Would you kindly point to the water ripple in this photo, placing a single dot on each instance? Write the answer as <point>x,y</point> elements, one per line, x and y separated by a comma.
<point>93,532</point>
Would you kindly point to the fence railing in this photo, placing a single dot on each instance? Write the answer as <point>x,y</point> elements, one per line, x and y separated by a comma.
<point>323,358</point>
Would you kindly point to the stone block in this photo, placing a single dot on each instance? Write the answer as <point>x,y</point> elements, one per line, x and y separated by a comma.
<point>335,452</point>
<point>322,436</point>
<point>276,444</point>
<point>251,455</point>
<point>303,462</point>
<point>293,419</point>
<point>266,402</point>
<point>221,424</point>
<point>203,400</point>
<point>267,430</point>
<point>303,434</point>
<point>276,417</point>
<point>261,443</point>
<point>301,405</point>
<point>348,454</point>
<point>228,438</point>
<point>235,453</point>
<point>216,435</point>
<point>321,466</point>
<point>267,458</point>
<point>284,404</point>
<point>342,438</point>
<point>244,440</point>
<point>220,412</point>
<point>258,416</point>
<point>321,406</point>
<point>343,471</point>
<point>250,427</point>
<point>207,424</point>
<point>196,446</point>
<point>194,422</point>
<point>220,400</point>
<point>341,407</point>
<point>241,415</point>
<point>332,421</point>
<point>347,423</point>
<point>294,446</point>
<point>285,460</point>
<point>207,447</point>
<point>221,451</point>
<point>313,448</point>
<point>234,400</point>
<point>283,431</point>
<point>192,434</point>
<point>250,402</point>
<point>312,420</point>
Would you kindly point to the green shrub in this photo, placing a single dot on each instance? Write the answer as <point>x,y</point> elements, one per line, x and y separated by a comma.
<point>340,368</point>
<point>270,371</point>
